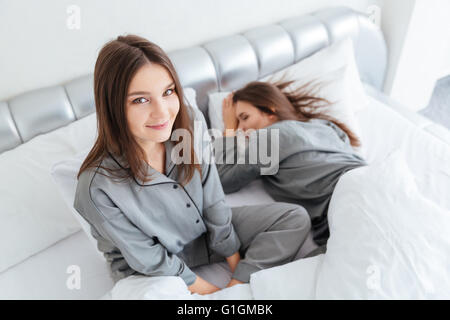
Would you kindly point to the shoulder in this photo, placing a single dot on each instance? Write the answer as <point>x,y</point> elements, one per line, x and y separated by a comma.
<point>289,130</point>
<point>297,135</point>
<point>98,175</point>
<point>296,127</point>
<point>94,190</point>
<point>287,125</point>
<point>340,133</point>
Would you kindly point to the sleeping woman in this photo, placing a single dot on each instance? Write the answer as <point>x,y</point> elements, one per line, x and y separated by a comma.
<point>158,209</point>
<point>313,149</point>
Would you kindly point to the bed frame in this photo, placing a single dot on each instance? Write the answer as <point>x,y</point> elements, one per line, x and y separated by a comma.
<point>223,64</point>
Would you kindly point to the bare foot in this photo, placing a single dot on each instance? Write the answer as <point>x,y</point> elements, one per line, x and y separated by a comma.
<point>233,282</point>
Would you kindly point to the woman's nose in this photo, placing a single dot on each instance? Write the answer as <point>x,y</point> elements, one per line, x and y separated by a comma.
<point>159,110</point>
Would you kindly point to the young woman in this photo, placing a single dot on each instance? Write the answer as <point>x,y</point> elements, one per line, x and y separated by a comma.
<point>151,213</point>
<point>314,149</point>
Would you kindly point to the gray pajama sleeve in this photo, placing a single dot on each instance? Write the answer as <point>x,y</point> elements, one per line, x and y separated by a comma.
<point>142,252</point>
<point>233,175</point>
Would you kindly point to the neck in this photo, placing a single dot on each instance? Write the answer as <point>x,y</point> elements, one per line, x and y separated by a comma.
<point>155,153</point>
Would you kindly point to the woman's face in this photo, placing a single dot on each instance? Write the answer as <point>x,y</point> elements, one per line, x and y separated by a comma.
<point>152,104</point>
<point>250,117</point>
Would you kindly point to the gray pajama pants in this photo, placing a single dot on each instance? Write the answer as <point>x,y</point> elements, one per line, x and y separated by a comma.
<point>270,234</point>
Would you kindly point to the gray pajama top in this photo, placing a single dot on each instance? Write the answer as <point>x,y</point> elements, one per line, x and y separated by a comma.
<point>312,157</point>
<point>160,228</point>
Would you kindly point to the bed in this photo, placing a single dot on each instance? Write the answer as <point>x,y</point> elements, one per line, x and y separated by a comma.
<point>395,246</point>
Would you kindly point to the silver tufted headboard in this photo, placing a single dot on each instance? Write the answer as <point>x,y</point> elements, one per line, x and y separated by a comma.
<point>220,65</point>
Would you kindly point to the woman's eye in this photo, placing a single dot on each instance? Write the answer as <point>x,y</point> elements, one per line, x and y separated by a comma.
<point>170,90</point>
<point>245,118</point>
<point>140,100</point>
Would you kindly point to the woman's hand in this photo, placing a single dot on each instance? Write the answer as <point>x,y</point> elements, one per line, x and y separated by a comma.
<point>229,114</point>
<point>201,286</point>
<point>233,260</point>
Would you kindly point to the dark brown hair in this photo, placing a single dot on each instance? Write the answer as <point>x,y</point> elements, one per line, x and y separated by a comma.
<point>301,103</point>
<point>117,63</point>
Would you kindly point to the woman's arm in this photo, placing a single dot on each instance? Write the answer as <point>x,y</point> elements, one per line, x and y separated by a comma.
<point>234,174</point>
<point>141,251</point>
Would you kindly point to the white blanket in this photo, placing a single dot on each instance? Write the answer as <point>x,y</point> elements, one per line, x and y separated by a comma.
<point>387,241</point>
<point>170,288</point>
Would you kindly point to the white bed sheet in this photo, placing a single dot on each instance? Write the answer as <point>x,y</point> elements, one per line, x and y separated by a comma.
<point>43,276</point>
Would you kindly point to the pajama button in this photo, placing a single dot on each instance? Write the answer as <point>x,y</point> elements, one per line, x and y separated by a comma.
<point>188,205</point>
<point>197,221</point>
<point>175,186</point>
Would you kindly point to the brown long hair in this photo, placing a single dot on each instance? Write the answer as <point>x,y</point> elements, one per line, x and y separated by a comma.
<point>117,63</point>
<point>301,103</point>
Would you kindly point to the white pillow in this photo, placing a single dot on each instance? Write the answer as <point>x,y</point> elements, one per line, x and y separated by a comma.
<point>191,97</point>
<point>336,56</point>
<point>387,241</point>
<point>32,214</point>
<point>336,67</point>
<point>64,173</point>
<point>215,100</point>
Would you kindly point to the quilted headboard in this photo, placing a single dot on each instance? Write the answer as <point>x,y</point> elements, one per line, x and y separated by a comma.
<point>219,65</point>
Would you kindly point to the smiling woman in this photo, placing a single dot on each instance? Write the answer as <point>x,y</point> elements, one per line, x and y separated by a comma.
<point>178,219</point>
<point>132,79</point>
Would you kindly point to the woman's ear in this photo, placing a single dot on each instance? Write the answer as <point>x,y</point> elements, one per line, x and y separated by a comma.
<point>273,117</point>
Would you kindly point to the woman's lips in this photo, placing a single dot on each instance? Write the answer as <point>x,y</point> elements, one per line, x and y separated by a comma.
<point>159,127</point>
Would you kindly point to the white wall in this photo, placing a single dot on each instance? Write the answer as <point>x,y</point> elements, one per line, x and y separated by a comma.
<point>37,48</point>
<point>445,69</point>
<point>418,36</point>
